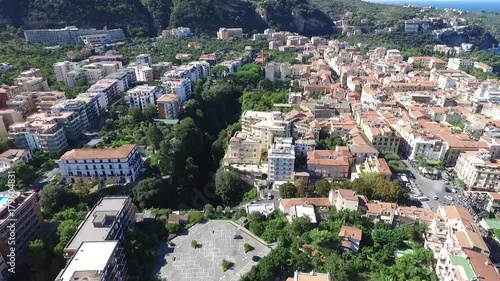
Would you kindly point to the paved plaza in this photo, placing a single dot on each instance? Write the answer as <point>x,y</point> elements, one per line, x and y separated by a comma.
<point>216,243</point>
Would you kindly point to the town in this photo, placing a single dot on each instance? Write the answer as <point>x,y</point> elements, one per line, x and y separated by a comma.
<point>275,157</point>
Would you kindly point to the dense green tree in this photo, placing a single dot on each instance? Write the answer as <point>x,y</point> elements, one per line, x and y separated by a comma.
<point>150,112</point>
<point>322,187</point>
<point>229,186</point>
<point>301,185</point>
<point>155,136</point>
<point>288,190</point>
<point>147,192</point>
<point>54,198</point>
<point>374,187</point>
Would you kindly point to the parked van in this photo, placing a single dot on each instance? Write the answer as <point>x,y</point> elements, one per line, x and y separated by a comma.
<point>423,198</point>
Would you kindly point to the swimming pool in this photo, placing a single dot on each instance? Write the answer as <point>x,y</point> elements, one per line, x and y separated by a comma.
<point>3,199</point>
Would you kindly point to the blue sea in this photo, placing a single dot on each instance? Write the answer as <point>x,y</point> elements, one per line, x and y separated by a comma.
<point>464,5</point>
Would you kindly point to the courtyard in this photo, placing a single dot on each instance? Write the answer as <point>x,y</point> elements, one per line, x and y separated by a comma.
<point>179,261</point>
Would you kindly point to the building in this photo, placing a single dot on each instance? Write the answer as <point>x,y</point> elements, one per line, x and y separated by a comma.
<point>39,134</point>
<point>169,106</point>
<point>95,40</point>
<point>243,148</point>
<point>69,121</point>
<point>361,147</point>
<point>31,84</point>
<point>281,159</point>
<point>345,199</point>
<point>13,157</point>
<point>329,163</point>
<point>373,165</point>
<point>478,171</point>
<point>61,69</point>
<point>108,220</point>
<point>106,90</point>
<point>68,35</point>
<point>121,164</point>
<point>181,87</point>
<point>96,261</point>
<point>178,33</point>
<point>142,95</point>
<point>229,33</point>
<point>411,26</point>
<point>125,77</point>
<point>457,63</point>
<point>24,213</point>
<point>143,73</point>
<point>350,238</point>
<point>484,67</point>
<point>427,62</point>
<point>311,276</point>
<point>144,59</point>
<point>303,207</point>
<point>27,103</point>
<point>84,105</point>
<point>378,132</point>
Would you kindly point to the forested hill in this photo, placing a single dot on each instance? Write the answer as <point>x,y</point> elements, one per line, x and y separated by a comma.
<point>153,15</point>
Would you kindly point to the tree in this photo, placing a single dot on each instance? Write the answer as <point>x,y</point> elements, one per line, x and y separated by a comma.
<point>301,185</point>
<point>147,192</point>
<point>150,112</point>
<point>194,244</point>
<point>136,114</point>
<point>155,136</point>
<point>229,186</point>
<point>5,144</point>
<point>54,197</point>
<point>219,70</point>
<point>288,190</point>
<point>322,187</point>
<point>209,211</point>
<point>374,187</point>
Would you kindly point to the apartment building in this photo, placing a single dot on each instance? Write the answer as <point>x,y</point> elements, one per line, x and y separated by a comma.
<point>67,35</point>
<point>281,160</point>
<point>345,199</point>
<point>122,164</point>
<point>31,84</point>
<point>143,73</point>
<point>27,218</point>
<point>478,171</point>
<point>421,141</point>
<point>169,106</point>
<point>144,59</point>
<point>84,105</point>
<point>457,63</point>
<point>106,90</point>
<point>193,71</point>
<point>13,157</point>
<point>61,69</point>
<point>487,92</point>
<point>125,77</point>
<point>378,132</point>
<point>427,62</point>
<point>243,148</point>
<point>95,40</point>
<point>28,103</point>
<point>99,261</point>
<point>411,26</point>
<point>108,220</point>
<point>69,121</point>
<point>350,238</point>
<point>229,33</point>
<point>142,95</point>
<point>41,134</point>
<point>265,125</point>
<point>330,163</point>
<point>160,68</point>
<point>484,67</point>
<point>178,33</point>
<point>180,87</point>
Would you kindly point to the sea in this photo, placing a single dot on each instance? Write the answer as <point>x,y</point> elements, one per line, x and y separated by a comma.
<point>464,5</point>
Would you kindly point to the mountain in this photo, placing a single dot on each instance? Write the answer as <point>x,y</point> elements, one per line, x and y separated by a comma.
<point>153,15</point>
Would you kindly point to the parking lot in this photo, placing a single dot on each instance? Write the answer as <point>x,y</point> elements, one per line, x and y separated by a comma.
<point>216,242</point>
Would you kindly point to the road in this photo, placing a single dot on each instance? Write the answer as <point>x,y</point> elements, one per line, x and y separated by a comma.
<point>430,188</point>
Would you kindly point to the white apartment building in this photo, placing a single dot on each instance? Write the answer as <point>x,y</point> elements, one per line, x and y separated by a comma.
<point>96,39</point>
<point>179,32</point>
<point>39,134</point>
<point>394,55</point>
<point>106,90</point>
<point>421,142</point>
<point>144,59</point>
<point>192,71</point>
<point>99,261</point>
<point>121,164</point>
<point>143,73</point>
<point>229,33</point>
<point>126,78</point>
<point>32,84</point>
<point>456,63</point>
<point>281,160</point>
<point>181,87</point>
<point>478,171</point>
<point>265,125</point>
<point>142,95</point>
<point>69,121</point>
<point>61,69</point>
<point>487,92</point>
<point>67,35</point>
<point>85,105</point>
<point>13,157</point>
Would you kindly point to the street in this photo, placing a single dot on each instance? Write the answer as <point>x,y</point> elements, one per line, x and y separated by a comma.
<point>429,188</point>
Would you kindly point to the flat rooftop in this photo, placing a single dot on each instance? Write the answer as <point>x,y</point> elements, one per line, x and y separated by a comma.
<point>89,261</point>
<point>87,231</point>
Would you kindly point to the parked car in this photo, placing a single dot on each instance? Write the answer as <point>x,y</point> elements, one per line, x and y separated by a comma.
<point>237,236</point>
<point>255,258</point>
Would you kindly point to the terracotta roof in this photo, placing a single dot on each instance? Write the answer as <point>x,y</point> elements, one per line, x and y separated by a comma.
<point>328,158</point>
<point>454,212</point>
<point>494,195</point>
<point>317,202</point>
<point>351,232</point>
<point>99,153</point>
<point>347,194</point>
<point>470,240</point>
<point>168,98</point>
<point>482,266</point>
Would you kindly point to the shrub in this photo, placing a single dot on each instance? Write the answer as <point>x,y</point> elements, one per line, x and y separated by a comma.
<point>195,217</point>
<point>247,247</point>
<point>194,244</point>
<point>226,265</point>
